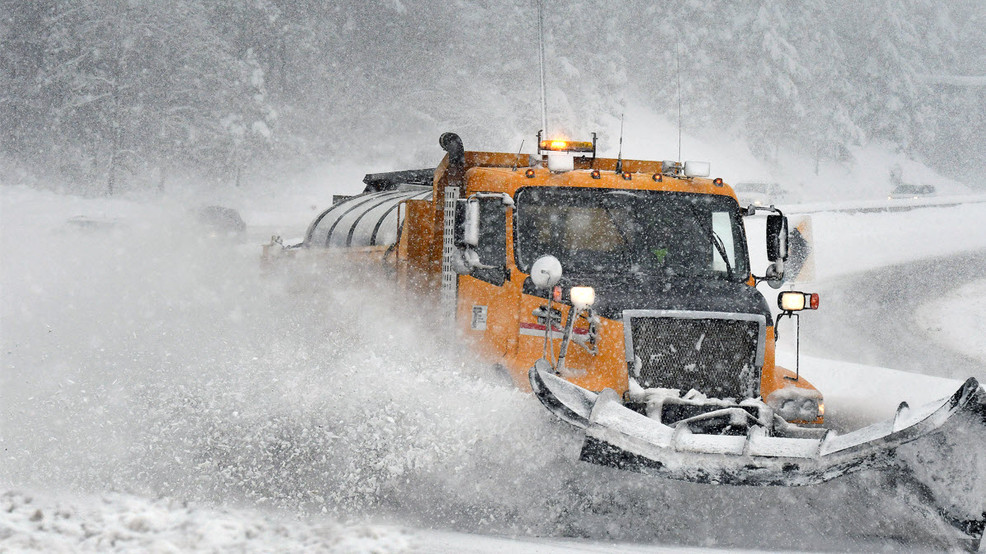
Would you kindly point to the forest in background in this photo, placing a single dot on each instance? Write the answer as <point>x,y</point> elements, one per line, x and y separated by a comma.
<point>110,95</point>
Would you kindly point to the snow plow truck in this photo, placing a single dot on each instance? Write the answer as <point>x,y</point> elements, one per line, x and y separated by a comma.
<point>620,292</point>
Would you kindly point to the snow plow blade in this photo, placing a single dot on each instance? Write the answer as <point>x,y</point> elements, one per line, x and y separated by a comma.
<point>619,437</point>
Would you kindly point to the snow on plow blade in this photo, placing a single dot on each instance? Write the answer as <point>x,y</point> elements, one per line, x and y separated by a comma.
<point>620,437</point>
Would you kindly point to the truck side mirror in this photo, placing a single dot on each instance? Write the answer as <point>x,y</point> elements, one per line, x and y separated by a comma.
<point>776,249</point>
<point>471,225</point>
<point>466,237</point>
<point>467,223</point>
<point>776,237</point>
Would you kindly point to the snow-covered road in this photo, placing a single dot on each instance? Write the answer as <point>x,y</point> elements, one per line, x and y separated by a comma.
<point>158,394</point>
<point>920,317</point>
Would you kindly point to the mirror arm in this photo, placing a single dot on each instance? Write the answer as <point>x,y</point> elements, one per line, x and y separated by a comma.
<point>479,264</point>
<point>508,202</point>
<point>752,209</point>
<point>774,272</point>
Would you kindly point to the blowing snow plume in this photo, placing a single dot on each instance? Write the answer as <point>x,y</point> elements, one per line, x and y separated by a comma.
<point>142,357</point>
<point>145,356</point>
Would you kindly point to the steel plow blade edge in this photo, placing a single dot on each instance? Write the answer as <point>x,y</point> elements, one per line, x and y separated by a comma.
<point>619,437</point>
<point>570,403</point>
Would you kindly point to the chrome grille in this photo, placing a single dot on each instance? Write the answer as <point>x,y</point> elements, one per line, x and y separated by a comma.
<point>717,354</point>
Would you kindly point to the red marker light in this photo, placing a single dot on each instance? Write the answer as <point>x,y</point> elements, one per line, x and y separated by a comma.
<point>596,174</point>
<point>657,177</point>
<point>556,293</point>
<point>717,181</point>
<point>529,173</point>
<point>813,301</point>
<point>627,176</point>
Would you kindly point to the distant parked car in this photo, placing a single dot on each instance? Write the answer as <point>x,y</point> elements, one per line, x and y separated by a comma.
<point>221,221</point>
<point>905,190</point>
<point>759,194</point>
<point>87,223</point>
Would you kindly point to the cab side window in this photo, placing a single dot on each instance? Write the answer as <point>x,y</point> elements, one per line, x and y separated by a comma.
<point>492,248</point>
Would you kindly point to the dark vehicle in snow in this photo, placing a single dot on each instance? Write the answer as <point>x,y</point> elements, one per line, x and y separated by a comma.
<point>912,191</point>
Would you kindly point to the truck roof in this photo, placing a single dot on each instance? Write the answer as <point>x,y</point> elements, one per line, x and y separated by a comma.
<point>500,172</point>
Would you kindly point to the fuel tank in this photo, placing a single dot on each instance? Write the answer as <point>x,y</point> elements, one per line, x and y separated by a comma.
<point>368,219</point>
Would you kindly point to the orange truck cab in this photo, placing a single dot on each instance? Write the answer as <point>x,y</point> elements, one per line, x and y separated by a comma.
<point>659,246</point>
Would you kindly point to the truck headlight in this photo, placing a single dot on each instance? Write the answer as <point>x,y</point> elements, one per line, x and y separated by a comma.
<point>797,404</point>
<point>582,297</point>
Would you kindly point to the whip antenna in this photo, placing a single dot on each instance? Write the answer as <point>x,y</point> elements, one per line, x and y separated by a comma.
<point>677,64</point>
<point>544,104</point>
<point>619,155</point>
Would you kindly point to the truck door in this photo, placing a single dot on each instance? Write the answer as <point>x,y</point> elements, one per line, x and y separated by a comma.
<point>488,297</point>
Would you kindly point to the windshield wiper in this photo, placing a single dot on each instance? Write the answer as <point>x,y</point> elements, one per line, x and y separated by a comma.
<point>714,238</point>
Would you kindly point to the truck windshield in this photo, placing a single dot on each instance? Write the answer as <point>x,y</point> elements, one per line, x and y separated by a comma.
<point>615,231</point>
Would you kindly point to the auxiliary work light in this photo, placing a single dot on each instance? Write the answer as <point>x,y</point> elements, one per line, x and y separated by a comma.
<point>795,301</point>
<point>582,297</point>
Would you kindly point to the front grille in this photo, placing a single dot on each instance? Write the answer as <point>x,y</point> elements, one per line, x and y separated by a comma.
<point>719,355</point>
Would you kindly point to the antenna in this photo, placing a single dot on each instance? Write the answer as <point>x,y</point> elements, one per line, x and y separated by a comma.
<point>677,64</point>
<point>619,156</point>
<point>544,103</point>
<point>518,154</point>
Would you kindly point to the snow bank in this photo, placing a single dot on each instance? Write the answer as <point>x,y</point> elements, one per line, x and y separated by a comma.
<point>858,395</point>
<point>957,320</point>
<point>854,242</point>
<point>110,522</point>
